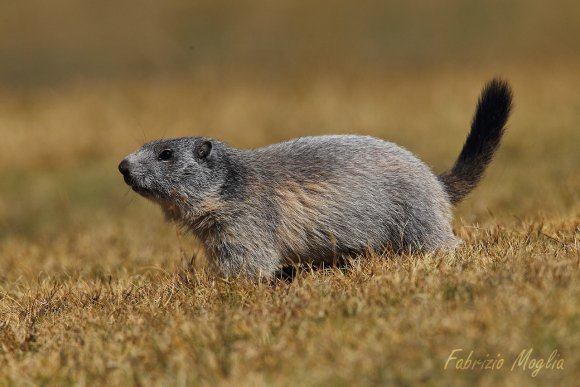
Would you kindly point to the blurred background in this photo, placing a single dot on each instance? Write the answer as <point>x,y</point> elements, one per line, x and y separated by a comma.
<point>83,83</point>
<point>47,44</point>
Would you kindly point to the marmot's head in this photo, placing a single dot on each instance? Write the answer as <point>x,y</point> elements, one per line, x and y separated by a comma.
<point>175,171</point>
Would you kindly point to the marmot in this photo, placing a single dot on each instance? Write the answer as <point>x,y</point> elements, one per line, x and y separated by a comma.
<point>313,199</point>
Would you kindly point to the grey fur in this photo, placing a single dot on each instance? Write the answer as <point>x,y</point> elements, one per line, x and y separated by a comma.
<point>312,199</point>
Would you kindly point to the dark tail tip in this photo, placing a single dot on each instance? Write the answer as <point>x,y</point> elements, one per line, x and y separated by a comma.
<point>493,109</point>
<point>487,128</point>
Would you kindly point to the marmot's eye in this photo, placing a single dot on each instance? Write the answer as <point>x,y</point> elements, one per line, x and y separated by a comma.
<point>165,155</point>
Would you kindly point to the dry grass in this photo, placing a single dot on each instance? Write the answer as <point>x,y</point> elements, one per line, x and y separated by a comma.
<point>380,321</point>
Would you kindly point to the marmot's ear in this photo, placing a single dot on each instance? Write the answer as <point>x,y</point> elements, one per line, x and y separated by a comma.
<point>202,149</point>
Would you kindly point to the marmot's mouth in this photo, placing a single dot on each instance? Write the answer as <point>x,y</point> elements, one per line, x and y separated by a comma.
<point>143,192</point>
<point>140,191</point>
<point>131,182</point>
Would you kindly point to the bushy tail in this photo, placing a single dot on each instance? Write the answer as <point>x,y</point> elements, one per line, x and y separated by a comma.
<point>487,127</point>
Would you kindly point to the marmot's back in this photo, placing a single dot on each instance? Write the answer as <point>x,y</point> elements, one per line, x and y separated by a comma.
<point>341,194</point>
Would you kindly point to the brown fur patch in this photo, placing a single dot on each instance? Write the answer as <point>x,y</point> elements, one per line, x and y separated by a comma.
<point>301,206</point>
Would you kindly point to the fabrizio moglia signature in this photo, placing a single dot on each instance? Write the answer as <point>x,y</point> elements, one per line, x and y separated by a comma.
<point>526,360</point>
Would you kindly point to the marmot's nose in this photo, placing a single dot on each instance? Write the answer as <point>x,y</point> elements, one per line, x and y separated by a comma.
<point>124,167</point>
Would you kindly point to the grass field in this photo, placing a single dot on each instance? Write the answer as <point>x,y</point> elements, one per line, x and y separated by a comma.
<point>95,289</point>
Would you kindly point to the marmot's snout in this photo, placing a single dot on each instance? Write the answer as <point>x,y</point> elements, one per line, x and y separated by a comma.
<point>124,167</point>
<point>131,172</point>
